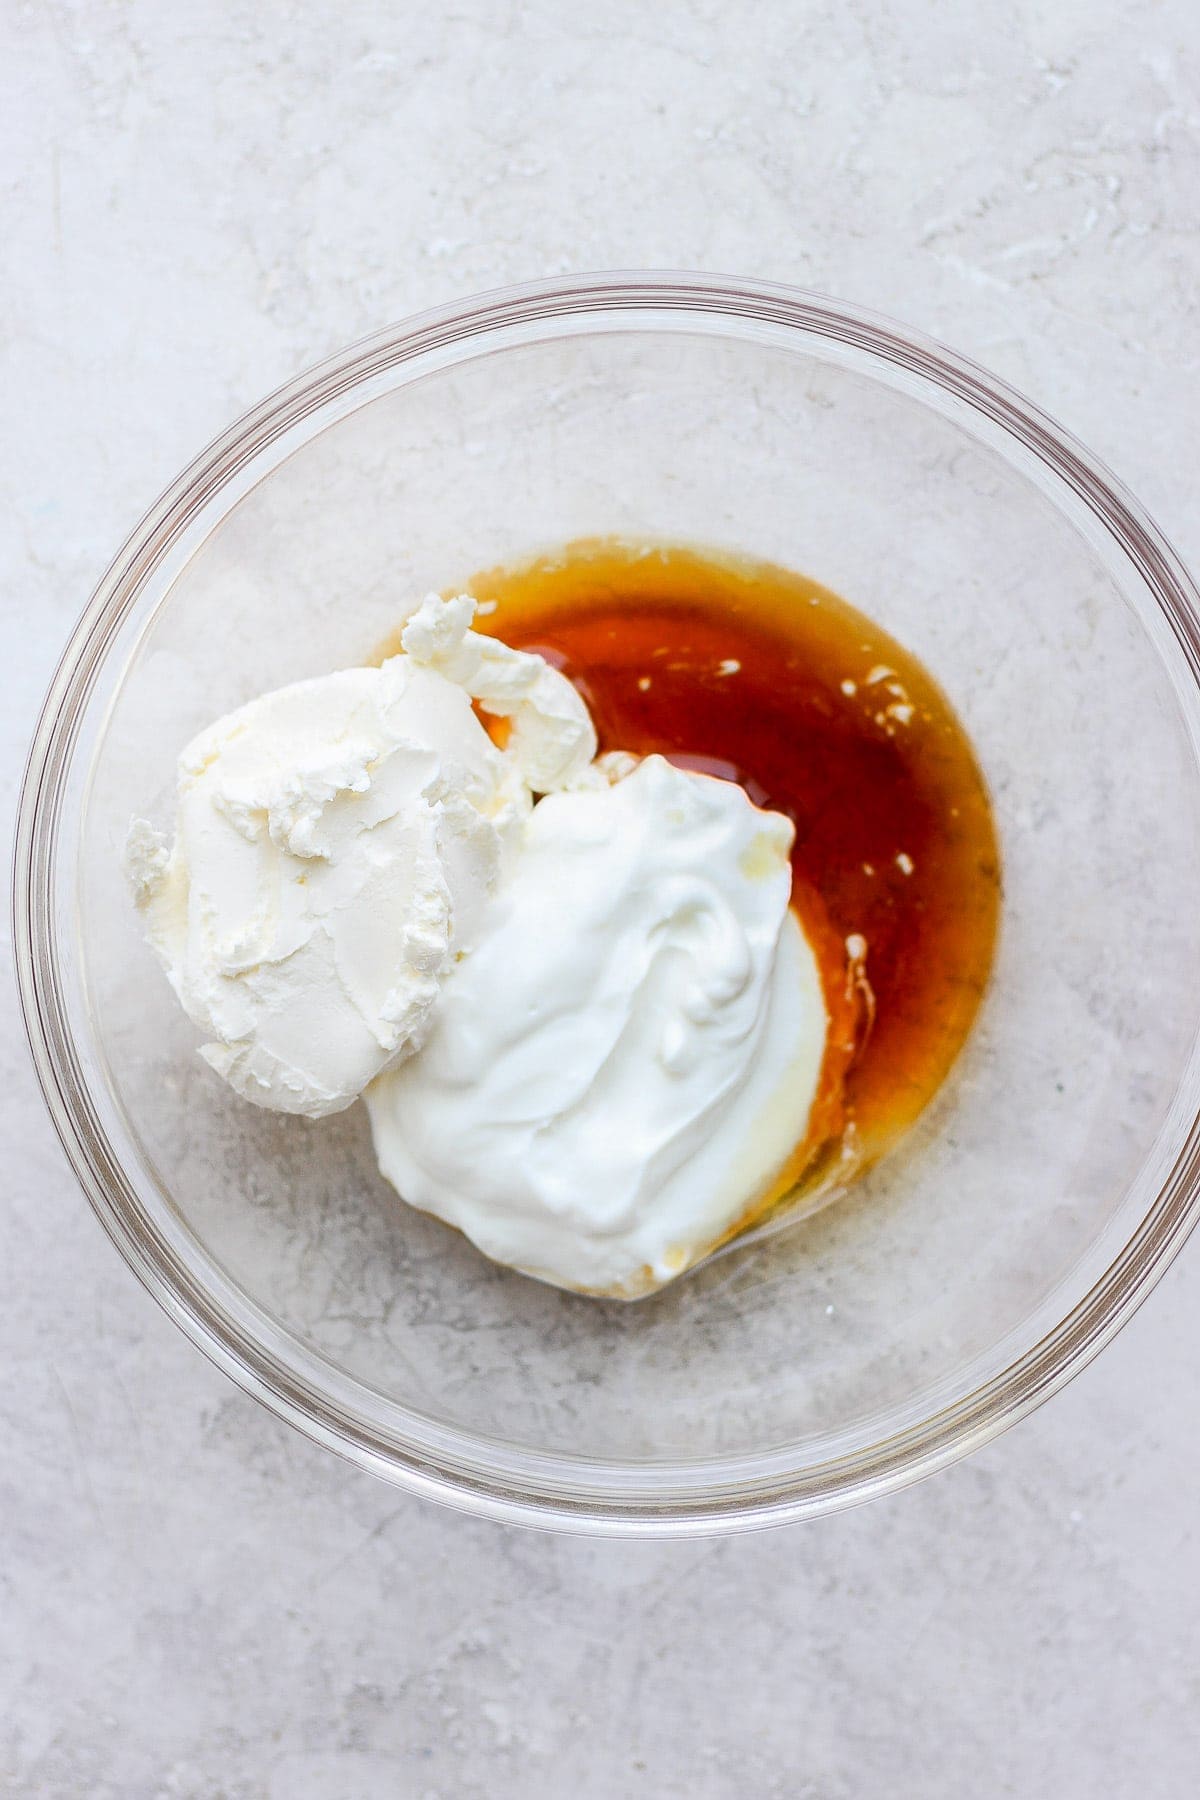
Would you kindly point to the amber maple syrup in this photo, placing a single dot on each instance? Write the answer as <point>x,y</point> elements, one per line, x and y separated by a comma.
<point>746,670</point>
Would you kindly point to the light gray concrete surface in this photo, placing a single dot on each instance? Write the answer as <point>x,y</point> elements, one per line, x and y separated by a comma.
<point>196,1603</point>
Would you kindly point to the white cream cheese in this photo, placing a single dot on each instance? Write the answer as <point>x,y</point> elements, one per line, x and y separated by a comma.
<point>553,739</point>
<point>335,847</point>
<point>628,1056</point>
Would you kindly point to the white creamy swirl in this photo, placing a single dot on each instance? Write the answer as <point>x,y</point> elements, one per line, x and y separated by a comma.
<point>629,1054</point>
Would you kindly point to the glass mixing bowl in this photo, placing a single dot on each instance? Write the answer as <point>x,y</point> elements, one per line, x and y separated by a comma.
<point>1041,1194</point>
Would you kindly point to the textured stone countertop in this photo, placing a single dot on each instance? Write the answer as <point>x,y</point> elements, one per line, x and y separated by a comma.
<point>195,1602</point>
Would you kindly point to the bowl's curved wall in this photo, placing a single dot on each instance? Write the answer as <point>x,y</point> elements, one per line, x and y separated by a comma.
<point>806,1370</point>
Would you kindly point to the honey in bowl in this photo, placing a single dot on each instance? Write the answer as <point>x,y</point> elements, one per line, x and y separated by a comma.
<point>747,671</point>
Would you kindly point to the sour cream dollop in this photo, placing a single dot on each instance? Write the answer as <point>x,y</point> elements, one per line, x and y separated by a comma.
<point>626,1057</point>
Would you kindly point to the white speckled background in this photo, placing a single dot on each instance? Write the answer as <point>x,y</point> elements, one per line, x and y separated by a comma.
<point>196,1604</point>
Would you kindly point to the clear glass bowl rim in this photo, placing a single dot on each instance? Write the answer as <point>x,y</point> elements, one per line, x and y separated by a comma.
<point>532,1488</point>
